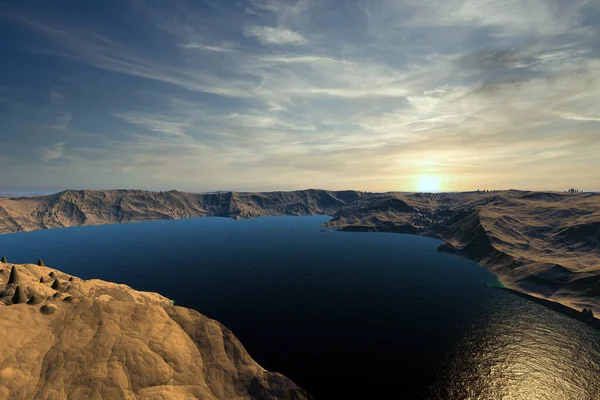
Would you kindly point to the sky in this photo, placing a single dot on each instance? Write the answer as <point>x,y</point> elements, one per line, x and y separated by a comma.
<point>258,95</point>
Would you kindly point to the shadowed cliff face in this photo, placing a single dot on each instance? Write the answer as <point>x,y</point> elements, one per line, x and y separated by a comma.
<point>544,244</point>
<point>99,340</point>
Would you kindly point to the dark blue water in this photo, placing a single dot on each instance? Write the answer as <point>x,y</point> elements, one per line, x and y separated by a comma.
<point>345,315</point>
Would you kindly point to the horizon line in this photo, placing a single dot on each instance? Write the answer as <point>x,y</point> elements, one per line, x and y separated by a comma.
<point>47,193</point>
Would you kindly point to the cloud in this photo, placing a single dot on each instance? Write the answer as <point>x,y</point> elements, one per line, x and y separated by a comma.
<point>266,122</point>
<point>199,46</point>
<point>501,19</point>
<point>334,94</point>
<point>107,53</point>
<point>156,123</point>
<point>54,152</point>
<point>268,35</point>
<point>55,97</point>
<point>576,117</point>
<point>63,121</point>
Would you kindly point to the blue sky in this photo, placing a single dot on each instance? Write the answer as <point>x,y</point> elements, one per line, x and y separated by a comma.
<point>277,95</point>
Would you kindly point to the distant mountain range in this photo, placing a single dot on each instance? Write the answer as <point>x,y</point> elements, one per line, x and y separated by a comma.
<point>546,244</point>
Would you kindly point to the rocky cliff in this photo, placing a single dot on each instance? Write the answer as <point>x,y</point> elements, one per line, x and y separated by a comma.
<point>66,338</point>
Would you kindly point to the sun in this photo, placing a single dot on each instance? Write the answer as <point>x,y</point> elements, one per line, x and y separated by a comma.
<point>428,184</point>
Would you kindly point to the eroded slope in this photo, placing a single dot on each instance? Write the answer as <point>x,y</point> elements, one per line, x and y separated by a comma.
<point>95,207</point>
<point>99,340</point>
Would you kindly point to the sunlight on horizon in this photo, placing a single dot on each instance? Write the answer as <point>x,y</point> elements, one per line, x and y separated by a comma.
<point>429,184</point>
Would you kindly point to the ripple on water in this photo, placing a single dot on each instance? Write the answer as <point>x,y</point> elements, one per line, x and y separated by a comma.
<point>344,315</point>
<point>524,351</point>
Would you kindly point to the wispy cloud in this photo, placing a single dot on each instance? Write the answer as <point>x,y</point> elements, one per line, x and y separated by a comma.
<point>205,47</point>
<point>108,53</point>
<point>576,117</point>
<point>328,94</point>
<point>55,97</point>
<point>155,123</point>
<point>54,152</point>
<point>62,121</point>
<point>274,35</point>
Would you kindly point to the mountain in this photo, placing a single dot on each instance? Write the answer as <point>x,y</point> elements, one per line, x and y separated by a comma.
<point>63,337</point>
<point>87,207</point>
<point>546,244</point>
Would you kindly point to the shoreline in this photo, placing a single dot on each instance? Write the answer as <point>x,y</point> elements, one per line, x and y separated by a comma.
<point>551,304</point>
<point>558,307</point>
<point>401,229</point>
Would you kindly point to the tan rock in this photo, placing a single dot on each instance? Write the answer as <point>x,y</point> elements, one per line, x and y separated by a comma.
<point>108,341</point>
<point>14,275</point>
<point>19,297</point>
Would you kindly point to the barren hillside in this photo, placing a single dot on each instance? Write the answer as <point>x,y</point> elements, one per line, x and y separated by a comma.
<point>63,337</point>
<point>87,207</point>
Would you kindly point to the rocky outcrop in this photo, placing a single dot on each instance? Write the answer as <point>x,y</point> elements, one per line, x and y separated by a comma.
<point>99,340</point>
<point>19,296</point>
<point>35,299</point>
<point>14,276</point>
<point>56,285</point>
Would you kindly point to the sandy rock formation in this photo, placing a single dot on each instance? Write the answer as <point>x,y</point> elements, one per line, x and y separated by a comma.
<point>35,299</point>
<point>19,296</point>
<point>56,285</point>
<point>14,276</point>
<point>99,340</point>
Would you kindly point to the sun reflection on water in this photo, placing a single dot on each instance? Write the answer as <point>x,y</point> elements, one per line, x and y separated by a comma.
<point>523,359</point>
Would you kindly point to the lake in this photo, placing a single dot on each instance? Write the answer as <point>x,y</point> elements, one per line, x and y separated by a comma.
<point>344,315</point>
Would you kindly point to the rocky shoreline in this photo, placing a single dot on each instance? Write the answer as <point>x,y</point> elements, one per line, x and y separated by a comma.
<point>545,244</point>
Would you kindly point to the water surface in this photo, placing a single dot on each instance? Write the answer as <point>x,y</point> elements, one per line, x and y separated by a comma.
<point>345,315</point>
